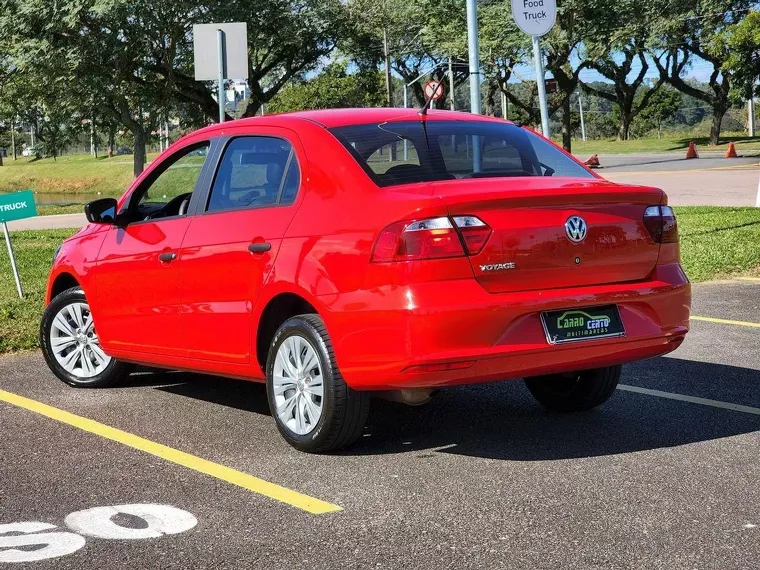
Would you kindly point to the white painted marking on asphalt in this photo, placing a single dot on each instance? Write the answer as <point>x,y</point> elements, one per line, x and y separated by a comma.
<point>749,525</point>
<point>748,278</point>
<point>161,520</point>
<point>691,399</point>
<point>54,544</point>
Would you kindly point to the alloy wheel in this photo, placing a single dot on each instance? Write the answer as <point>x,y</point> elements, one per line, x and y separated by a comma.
<point>75,343</point>
<point>298,385</point>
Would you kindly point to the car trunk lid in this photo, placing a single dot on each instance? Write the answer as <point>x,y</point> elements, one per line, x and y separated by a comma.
<point>531,248</point>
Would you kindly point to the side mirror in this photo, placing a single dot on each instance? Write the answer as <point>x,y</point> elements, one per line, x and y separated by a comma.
<point>101,211</point>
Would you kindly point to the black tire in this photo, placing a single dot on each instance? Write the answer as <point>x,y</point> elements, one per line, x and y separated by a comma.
<point>113,373</point>
<point>575,391</point>
<point>344,410</point>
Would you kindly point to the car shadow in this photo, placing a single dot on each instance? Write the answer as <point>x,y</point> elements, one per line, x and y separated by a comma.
<point>502,421</point>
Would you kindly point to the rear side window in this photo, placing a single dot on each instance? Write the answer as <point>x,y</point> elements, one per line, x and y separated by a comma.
<point>447,150</point>
<point>255,172</point>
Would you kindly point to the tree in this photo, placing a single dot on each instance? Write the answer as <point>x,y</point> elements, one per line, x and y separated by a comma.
<point>561,45</point>
<point>742,42</point>
<point>333,87</point>
<point>503,47</point>
<point>616,42</point>
<point>662,107</point>
<point>695,32</point>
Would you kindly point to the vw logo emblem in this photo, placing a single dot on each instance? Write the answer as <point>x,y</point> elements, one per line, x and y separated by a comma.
<point>575,228</point>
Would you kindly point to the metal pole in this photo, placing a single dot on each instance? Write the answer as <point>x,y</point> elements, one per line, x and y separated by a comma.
<point>541,86</point>
<point>386,54</point>
<point>220,64</point>
<point>19,288</point>
<point>451,85</point>
<point>406,104</point>
<point>751,113</point>
<point>583,123</point>
<point>474,49</point>
<point>504,108</point>
<point>472,46</point>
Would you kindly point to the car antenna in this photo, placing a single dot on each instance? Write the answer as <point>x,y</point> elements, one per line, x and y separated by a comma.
<point>429,100</point>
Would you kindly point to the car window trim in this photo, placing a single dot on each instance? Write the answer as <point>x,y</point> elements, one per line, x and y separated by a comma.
<point>223,143</point>
<point>198,189</point>
<point>286,173</point>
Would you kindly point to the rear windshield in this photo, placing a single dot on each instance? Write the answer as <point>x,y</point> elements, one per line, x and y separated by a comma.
<point>428,151</point>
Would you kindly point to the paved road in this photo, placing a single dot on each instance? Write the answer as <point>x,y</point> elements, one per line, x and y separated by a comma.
<point>61,221</point>
<point>710,180</point>
<point>479,478</point>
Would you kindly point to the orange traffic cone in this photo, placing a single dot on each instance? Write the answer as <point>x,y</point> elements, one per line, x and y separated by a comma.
<point>731,152</point>
<point>592,161</point>
<point>692,152</point>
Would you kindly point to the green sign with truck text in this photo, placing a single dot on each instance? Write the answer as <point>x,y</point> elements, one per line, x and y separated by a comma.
<point>17,206</point>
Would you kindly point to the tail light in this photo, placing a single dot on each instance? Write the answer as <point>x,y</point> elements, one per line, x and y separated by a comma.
<point>432,238</point>
<point>661,224</point>
<point>474,231</point>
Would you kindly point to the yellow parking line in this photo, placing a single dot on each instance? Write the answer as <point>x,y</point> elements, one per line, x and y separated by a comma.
<point>725,322</point>
<point>254,484</point>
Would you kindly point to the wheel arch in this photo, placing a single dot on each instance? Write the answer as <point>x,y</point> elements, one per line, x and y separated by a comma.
<point>63,281</point>
<point>278,309</point>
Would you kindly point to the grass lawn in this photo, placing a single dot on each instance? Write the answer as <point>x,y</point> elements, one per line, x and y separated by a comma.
<point>20,319</point>
<point>68,175</point>
<point>666,144</point>
<point>57,210</point>
<point>715,242</point>
<point>718,241</point>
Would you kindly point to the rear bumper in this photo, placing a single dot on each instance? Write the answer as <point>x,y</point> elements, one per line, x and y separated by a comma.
<point>438,334</point>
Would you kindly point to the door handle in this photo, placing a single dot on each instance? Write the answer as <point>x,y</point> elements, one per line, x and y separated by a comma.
<point>259,247</point>
<point>167,257</point>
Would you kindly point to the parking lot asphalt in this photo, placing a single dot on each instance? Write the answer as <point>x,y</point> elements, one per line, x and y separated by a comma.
<point>481,477</point>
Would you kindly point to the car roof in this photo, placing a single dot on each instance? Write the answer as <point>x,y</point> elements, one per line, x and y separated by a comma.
<point>330,118</point>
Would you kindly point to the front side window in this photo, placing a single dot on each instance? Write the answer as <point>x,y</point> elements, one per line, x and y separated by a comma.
<point>255,172</point>
<point>168,191</point>
<point>449,150</point>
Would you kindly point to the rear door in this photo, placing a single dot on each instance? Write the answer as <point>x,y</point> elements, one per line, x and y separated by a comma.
<point>229,249</point>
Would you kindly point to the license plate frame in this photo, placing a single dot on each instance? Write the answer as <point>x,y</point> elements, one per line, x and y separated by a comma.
<point>577,322</point>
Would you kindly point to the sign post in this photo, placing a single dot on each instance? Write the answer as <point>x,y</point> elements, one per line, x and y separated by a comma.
<point>220,52</point>
<point>16,207</point>
<point>536,18</point>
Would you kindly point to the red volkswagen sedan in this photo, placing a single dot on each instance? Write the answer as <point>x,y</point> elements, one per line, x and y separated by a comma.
<point>339,254</point>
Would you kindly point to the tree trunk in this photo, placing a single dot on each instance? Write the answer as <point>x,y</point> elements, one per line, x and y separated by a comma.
<point>139,150</point>
<point>718,113</point>
<point>567,139</point>
<point>625,126</point>
<point>1,158</point>
<point>111,141</point>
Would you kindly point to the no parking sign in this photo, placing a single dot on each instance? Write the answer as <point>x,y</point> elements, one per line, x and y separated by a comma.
<point>434,90</point>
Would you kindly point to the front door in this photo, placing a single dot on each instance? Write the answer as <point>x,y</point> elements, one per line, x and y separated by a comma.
<point>136,278</point>
<point>229,250</point>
